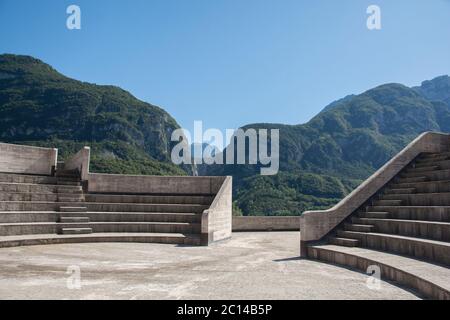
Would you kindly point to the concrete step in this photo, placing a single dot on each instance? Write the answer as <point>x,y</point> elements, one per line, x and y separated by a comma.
<point>28,216</point>
<point>433,230</point>
<point>421,199</point>
<point>74,219</point>
<point>444,210</point>
<point>68,182</point>
<point>22,196</point>
<point>45,239</point>
<point>427,279</point>
<point>405,214</point>
<point>76,231</point>
<point>343,241</point>
<point>72,209</point>
<point>426,187</point>
<point>37,188</point>
<point>33,205</point>
<point>9,229</point>
<point>419,169</point>
<point>435,175</point>
<point>400,180</point>
<point>147,207</point>
<point>399,190</point>
<point>70,197</point>
<point>161,199</point>
<point>391,202</point>
<point>374,214</point>
<point>434,156</point>
<point>53,216</point>
<point>430,250</point>
<point>32,179</point>
<point>356,226</point>
<point>41,197</point>
<point>443,164</point>
<point>142,217</point>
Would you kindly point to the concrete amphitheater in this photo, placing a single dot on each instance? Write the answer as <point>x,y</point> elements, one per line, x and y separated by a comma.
<point>150,237</point>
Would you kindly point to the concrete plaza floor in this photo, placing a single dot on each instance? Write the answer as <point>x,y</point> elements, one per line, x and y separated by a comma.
<point>249,266</point>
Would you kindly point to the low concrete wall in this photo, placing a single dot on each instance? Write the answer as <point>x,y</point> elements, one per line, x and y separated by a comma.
<point>117,183</point>
<point>262,223</point>
<point>217,219</point>
<point>27,159</point>
<point>317,224</point>
<point>80,161</point>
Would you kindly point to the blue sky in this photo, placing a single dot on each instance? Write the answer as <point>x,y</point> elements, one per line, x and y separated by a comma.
<point>234,62</point>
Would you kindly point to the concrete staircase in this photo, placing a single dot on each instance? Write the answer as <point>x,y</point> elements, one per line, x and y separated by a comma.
<point>54,209</point>
<point>404,229</point>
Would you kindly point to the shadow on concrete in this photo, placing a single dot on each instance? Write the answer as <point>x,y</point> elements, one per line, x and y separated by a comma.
<point>289,259</point>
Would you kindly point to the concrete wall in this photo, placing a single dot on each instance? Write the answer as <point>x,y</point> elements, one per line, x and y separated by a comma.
<point>262,223</point>
<point>27,159</point>
<point>317,224</point>
<point>116,183</point>
<point>80,161</point>
<point>217,220</point>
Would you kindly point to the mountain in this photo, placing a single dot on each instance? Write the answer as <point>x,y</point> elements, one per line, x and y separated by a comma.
<point>324,159</point>
<point>40,106</point>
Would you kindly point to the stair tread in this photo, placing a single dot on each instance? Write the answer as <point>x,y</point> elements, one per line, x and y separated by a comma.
<point>428,271</point>
<point>97,223</point>
<point>409,221</point>
<point>96,235</point>
<point>395,236</point>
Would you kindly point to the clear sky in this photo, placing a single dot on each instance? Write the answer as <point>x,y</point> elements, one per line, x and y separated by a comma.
<point>234,62</point>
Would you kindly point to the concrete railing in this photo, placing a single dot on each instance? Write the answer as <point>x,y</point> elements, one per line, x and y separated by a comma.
<point>315,225</point>
<point>137,184</point>
<point>217,219</point>
<point>80,161</point>
<point>27,159</point>
<point>264,223</point>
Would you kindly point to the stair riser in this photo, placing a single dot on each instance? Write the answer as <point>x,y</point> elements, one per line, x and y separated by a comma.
<point>417,249</point>
<point>118,207</point>
<point>194,241</point>
<point>387,202</point>
<point>343,242</point>
<point>419,169</point>
<point>426,187</point>
<point>400,191</point>
<point>362,228</point>
<point>389,273</point>
<point>408,215</point>
<point>430,175</point>
<point>205,200</point>
<point>443,164</point>
<point>36,188</point>
<point>12,217</point>
<point>421,200</point>
<point>413,180</point>
<point>409,228</point>
<point>134,228</point>
<point>32,206</point>
<point>129,217</point>
<point>28,197</point>
<point>27,179</point>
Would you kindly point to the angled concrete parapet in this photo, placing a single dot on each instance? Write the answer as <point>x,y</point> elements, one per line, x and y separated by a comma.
<point>217,219</point>
<point>266,223</point>
<point>80,161</point>
<point>27,159</point>
<point>315,225</point>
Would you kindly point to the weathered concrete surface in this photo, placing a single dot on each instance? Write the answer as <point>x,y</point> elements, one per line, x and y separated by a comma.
<point>136,184</point>
<point>263,223</point>
<point>81,161</point>
<point>316,224</point>
<point>27,159</point>
<point>250,266</point>
<point>217,219</point>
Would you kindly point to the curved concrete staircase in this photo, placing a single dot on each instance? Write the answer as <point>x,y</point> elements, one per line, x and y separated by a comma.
<point>38,209</point>
<point>404,229</point>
